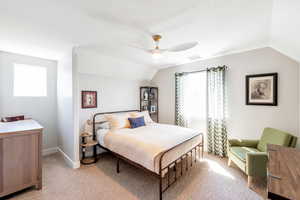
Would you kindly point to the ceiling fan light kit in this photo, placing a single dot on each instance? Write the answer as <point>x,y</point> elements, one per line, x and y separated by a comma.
<point>156,38</point>
<point>156,55</point>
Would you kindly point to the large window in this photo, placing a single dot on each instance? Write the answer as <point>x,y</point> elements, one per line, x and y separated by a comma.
<point>191,100</point>
<point>30,81</point>
<point>194,95</point>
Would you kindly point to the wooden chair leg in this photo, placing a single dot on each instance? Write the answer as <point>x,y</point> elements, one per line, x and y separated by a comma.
<point>250,179</point>
<point>229,162</point>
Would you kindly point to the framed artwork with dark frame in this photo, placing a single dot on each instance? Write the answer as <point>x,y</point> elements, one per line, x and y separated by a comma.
<point>88,99</point>
<point>261,89</point>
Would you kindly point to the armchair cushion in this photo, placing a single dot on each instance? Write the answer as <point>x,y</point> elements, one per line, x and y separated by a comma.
<point>273,136</point>
<point>241,152</point>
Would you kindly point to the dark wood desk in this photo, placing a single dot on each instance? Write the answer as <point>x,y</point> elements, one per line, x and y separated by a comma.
<point>283,173</point>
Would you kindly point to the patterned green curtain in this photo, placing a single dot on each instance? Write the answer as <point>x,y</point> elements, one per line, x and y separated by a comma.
<point>216,91</point>
<point>179,100</point>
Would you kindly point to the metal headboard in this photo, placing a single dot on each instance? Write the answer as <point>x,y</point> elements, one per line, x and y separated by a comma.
<point>103,113</point>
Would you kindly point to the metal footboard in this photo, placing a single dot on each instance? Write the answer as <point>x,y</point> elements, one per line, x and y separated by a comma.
<point>173,165</point>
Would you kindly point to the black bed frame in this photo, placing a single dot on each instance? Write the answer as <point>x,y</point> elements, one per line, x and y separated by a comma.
<point>172,166</point>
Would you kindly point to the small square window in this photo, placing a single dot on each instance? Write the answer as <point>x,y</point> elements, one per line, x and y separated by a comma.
<point>30,81</point>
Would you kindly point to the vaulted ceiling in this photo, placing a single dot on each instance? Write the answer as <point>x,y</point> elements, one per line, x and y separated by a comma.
<point>285,29</point>
<point>111,34</point>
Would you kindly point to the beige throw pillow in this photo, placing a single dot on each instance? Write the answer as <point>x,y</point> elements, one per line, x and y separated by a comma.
<point>118,120</point>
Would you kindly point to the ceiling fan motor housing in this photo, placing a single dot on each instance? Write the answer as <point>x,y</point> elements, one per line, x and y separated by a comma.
<point>156,38</point>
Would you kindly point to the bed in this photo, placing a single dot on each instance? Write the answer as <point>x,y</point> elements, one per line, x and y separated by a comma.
<point>156,148</point>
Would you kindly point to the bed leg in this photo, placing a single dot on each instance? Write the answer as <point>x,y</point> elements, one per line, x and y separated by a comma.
<point>187,162</point>
<point>181,166</point>
<point>118,165</point>
<point>168,176</point>
<point>175,171</point>
<point>160,188</point>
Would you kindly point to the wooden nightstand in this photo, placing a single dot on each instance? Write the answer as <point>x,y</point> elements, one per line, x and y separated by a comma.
<point>87,142</point>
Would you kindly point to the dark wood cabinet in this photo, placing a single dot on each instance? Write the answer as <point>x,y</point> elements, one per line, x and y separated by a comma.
<point>149,101</point>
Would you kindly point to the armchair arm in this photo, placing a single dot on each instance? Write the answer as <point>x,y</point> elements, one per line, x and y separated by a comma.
<point>256,164</point>
<point>242,143</point>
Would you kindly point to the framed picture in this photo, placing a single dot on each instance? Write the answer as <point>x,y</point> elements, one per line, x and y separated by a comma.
<point>13,119</point>
<point>261,89</point>
<point>152,109</point>
<point>88,99</point>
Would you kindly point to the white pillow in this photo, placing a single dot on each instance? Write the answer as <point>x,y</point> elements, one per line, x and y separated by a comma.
<point>101,134</point>
<point>144,114</point>
<point>118,120</point>
<point>104,125</point>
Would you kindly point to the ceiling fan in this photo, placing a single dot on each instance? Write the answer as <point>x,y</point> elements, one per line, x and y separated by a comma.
<point>157,52</point>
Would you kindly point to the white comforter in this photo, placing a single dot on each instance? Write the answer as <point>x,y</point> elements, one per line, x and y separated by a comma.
<point>144,145</point>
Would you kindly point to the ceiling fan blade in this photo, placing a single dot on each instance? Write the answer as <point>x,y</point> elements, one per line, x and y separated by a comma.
<point>140,48</point>
<point>183,47</point>
<point>151,51</point>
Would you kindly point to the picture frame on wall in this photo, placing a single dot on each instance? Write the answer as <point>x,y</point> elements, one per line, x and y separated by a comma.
<point>152,109</point>
<point>261,89</point>
<point>88,99</point>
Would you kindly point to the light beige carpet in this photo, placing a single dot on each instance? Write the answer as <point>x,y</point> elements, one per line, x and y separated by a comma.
<point>209,179</point>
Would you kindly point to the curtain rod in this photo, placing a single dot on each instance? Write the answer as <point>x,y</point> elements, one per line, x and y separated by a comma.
<point>182,73</point>
<point>203,70</point>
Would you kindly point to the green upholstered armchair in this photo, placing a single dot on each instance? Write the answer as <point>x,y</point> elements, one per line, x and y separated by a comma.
<point>251,156</point>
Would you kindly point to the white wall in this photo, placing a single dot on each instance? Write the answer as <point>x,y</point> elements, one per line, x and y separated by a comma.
<point>244,121</point>
<point>96,61</point>
<point>285,29</point>
<point>114,94</point>
<point>42,109</point>
<point>65,114</point>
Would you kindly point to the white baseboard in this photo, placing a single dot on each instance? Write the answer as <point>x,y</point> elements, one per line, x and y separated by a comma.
<point>50,151</point>
<point>69,161</point>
